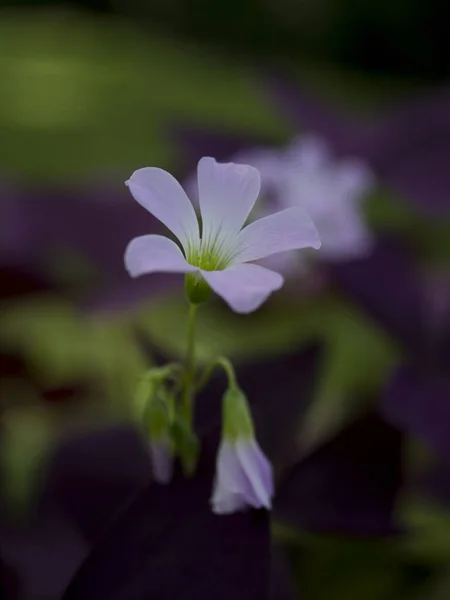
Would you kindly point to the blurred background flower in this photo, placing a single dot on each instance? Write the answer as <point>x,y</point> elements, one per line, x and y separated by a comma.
<point>346,369</point>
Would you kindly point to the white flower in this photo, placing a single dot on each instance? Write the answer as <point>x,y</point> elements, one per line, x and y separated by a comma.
<point>221,253</point>
<point>243,477</point>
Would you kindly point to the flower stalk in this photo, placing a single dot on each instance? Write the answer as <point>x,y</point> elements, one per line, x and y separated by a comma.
<point>188,386</point>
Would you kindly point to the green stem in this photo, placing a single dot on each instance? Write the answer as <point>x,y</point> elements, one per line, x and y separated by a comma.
<point>188,389</point>
<point>220,361</point>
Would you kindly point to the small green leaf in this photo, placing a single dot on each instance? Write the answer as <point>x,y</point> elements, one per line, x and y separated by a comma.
<point>349,569</point>
<point>26,440</point>
<point>63,346</point>
<point>428,525</point>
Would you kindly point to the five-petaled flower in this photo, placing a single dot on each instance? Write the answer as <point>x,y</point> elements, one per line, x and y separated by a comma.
<point>220,255</point>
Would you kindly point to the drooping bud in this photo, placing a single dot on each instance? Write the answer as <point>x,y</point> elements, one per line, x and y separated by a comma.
<point>161,444</point>
<point>153,408</point>
<point>244,476</point>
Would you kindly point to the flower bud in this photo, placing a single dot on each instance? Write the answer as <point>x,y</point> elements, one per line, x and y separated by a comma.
<point>244,476</point>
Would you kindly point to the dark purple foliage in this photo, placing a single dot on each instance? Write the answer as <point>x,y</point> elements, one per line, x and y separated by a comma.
<point>169,544</point>
<point>194,143</point>
<point>388,287</point>
<point>419,403</point>
<point>282,586</point>
<point>347,486</point>
<point>93,222</point>
<point>408,148</point>
<point>412,151</point>
<point>95,475</point>
<point>305,112</point>
<point>96,220</point>
<point>40,557</point>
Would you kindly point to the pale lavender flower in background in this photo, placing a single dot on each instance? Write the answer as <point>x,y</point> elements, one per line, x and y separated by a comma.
<point>305,174</point>
<point>244,477</point>
<point>221,253</point>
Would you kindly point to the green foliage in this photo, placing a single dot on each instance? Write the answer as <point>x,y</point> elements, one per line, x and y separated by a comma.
<point>429,527</point>
<point>430,235</point>
<point>358,357</point>
<point>80,95</point>
<point>27,437</point>
<point>282,323</point>
<point>350,570</point>
<point>63,346</point>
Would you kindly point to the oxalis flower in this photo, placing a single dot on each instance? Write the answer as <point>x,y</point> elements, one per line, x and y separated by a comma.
<point>331,191</point>
<point>218,257</point>
<point>244,476</point>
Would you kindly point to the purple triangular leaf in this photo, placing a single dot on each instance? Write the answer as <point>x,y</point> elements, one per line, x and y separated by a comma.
<point>348,485</point>
<point>40,557</point>
<point>412,151</point>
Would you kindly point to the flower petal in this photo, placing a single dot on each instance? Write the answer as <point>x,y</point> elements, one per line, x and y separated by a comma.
<point>243,478</point>
<point>270,163</point>
<point>344,235</point>
<point>258,470</point>
<point>232,489</point>
<point>162,460</point>
<point>155,254</point>
<point>244,287</point>
<point>308,152</point>
<point>290,229</point>
<point>227,194</point>
<point>354,178</point>
<point>162,195</point>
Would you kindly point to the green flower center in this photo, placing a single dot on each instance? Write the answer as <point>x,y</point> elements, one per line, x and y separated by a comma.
<point>212,256</point>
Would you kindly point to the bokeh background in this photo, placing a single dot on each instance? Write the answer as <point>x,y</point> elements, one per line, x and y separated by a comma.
<point>347,370</point>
